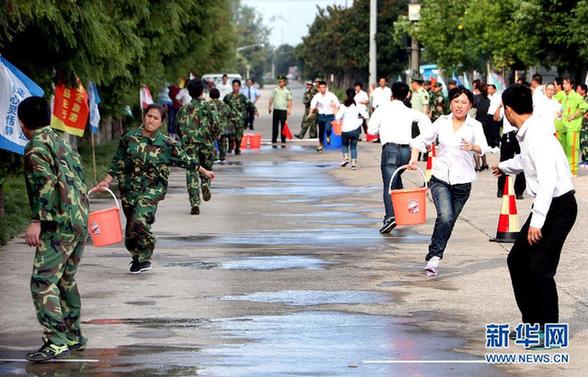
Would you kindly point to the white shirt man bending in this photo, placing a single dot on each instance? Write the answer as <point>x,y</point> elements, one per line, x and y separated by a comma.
<point>533,259</point>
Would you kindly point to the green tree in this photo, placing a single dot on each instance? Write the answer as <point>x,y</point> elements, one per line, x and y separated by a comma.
<point>337,42</point>
<point>250,30</point>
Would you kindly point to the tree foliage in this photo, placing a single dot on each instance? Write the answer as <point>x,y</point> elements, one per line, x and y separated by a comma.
<point>507,34</point>
<point>338,42</point>
<point>119,44</point>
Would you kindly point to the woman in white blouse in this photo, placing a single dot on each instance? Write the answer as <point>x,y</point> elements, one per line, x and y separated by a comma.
<point>352,117</point>
<point>460,136</point>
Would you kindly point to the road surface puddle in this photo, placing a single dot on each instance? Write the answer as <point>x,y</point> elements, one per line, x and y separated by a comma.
<point>309,298</point>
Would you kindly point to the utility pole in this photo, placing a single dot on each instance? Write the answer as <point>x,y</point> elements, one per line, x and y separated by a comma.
<point>414,15</point>
<point>373,48</point>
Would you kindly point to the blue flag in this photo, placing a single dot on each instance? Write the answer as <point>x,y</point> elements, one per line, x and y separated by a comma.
<point>94,100</point>
<point>14,87</point>
<point>466,82</point>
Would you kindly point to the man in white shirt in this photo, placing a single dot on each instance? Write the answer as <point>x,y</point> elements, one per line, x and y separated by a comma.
<point>493,137</point>
<point>534,257</point>
<point>509,147</point>
<point>382,94</point>
<point>252,95</point>
<point>393,122</point>
<point>326,104</point>
<point>225,87</point>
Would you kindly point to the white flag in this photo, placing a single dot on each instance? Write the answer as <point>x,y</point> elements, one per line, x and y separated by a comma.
<point>14,87</point>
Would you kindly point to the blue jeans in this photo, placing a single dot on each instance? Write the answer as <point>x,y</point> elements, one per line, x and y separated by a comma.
<point>449,201</point>
<point>393,157</point>
<point>324,123</point>
<point>349,140</point>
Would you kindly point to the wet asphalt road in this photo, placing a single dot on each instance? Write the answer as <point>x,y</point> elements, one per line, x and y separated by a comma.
<point>277,277</point>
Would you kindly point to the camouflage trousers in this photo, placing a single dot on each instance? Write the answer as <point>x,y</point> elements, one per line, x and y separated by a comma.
<point>140,214</point>
<point>229,142</point>
<point>54,289</point>
<point>308,123</point>
<point>196,180</point>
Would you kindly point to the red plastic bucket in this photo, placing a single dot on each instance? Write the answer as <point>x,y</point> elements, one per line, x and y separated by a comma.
<point>104,225</point>
<point>245,141</point>
<point>337,125</point>
<point>410,205</point>
<point>255,141</point>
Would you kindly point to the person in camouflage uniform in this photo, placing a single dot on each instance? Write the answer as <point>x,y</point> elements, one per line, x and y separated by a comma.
<point>58,199</point>
<point>220,109</point>
<point>199,128</point>
<point>141,166</point>
<point>436,101</point>
<point>237,105</point>
<point>308,120</point>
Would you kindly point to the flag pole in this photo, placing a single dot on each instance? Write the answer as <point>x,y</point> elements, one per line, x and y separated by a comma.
<point>94,157</point>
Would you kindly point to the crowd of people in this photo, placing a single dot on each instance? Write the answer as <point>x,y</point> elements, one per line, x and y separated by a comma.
<point>537,128</point>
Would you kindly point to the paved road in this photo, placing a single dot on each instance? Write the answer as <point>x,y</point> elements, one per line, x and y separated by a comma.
<point>285,274</point>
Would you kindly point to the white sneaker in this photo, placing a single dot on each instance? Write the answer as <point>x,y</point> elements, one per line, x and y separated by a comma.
<point>432,267</point>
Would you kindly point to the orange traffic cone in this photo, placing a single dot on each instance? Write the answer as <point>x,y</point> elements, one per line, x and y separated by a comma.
<point>430,161</point>
<point>508,222</point>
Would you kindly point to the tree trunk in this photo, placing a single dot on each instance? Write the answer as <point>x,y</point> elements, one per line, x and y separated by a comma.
<point>1,200</point>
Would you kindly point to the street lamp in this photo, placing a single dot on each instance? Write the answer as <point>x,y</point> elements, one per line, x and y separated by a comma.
<point>414,15</point>
<point>239,49</point>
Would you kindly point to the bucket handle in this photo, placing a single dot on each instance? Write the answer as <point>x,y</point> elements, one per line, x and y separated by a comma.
<point>405,167</point>
<point>111,194</point>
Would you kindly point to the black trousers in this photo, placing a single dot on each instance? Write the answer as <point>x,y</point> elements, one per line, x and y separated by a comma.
<point>278,121</point>
<point>509,147</point>
<point>249,118</point>
<point>532,268</point>
<point>492,132</point>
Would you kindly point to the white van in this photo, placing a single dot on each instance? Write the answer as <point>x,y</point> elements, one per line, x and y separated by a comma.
<point>217,78</point>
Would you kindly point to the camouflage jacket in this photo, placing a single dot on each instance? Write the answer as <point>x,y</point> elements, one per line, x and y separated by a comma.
<point>220,109</point>
<point>236,108</point>
<point>198,124</point>
<point>437,105</point>
<point>308,97</point>
<point>141,164</point>
<point>56,185</point>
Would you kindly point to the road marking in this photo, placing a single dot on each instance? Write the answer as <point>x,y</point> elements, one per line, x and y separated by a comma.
<point>51,361</point>
<point>424,361</point>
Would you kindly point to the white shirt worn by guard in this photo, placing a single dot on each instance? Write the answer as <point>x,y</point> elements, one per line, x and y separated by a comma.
<point>393,122</point>
<point>544,164</point>
<point>324,102</point>
<point>453,165</point>
<point>351,117</point>
<point>361,99</point>
<point>381,96</point>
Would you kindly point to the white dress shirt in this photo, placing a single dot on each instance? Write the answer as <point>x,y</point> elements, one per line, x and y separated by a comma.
<point>506,126</point>
<point>495,101</point>
<point>183,96</point>
<point>453,165</point>
<point>545,165</point>
<point>361,99</point>
<point>393,122</point>
<point>381,96</point>
<point>324,103</point>
<point>549,110</point>
<point>225,89</point>
<point>351,117</point>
